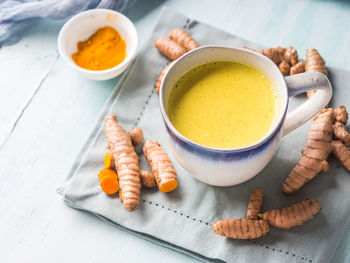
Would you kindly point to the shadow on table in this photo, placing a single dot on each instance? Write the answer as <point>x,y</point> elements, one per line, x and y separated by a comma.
<point>338,1</point>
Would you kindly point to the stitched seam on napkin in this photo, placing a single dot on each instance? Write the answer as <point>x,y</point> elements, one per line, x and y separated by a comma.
<point>188,22</point>
<point>200,221</point>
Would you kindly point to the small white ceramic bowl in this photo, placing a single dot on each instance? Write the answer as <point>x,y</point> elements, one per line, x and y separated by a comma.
<point>81,26</point>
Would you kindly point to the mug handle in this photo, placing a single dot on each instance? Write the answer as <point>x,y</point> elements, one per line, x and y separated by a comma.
<point>303,82</point>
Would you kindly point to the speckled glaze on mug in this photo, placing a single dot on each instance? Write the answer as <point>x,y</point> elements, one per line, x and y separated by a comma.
<point>227,167</point>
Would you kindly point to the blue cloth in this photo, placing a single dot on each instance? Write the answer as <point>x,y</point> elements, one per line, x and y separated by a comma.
<point>17,15</point>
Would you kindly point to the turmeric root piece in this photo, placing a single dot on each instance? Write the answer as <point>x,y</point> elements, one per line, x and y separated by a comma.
<point>341,133</point>
<point>136,136</point>
<point>109,184</point>
<point>285,58</point>
<point>241,228</point>
<point>169,48</point>
<point>284,67</point>
<point>314,62</point>
<point>161,76</point>
<point>314,154</point>
<point>161,166</point>
<point>297,68</point>
<point>294,215</point>
<point>183,38</point>
<point>106,172</point>
<point>108,181</point>
<point>342,153</point>
<point>276,54</point>
<point>109,160</point>
<point>341,114</point>
<point>147,179</point>
<point>291,56</point>
<point>126,162</point>
<point>255,203</point>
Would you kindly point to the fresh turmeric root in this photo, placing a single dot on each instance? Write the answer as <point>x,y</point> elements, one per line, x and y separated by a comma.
<point>341,114</point>
<point>294,215</point>
<point>109,160</point>
<point>108,181</point>
<point>314,63</point>
<point>341,133</point>
<point>314,154</point>
<point>136,136</point>
<point>169,48</point>
<point>161,166</point>
<point>291,56</point>
<point>126,162</point>
<point>342,153</point>
<point>276,54</point>
<point>298,68</point>
<point>284,67</point>
<point>241,228</point>
<point>161,76</point>
<point>255,203</point>
<point>147,179</point>
<point>183,38</point>
<point>279,54</point>
<point>284,58</point>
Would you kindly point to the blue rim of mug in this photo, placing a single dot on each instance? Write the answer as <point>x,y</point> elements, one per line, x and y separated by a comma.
<point>255,145</point>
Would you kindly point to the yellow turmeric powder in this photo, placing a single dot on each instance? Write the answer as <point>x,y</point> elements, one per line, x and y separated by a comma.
<point>103,50</point>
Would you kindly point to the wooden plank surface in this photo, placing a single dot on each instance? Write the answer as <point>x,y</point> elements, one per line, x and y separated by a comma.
<point>47,111</point>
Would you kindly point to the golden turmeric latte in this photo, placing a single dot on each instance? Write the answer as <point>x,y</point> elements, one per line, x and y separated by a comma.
<point>103,50</point>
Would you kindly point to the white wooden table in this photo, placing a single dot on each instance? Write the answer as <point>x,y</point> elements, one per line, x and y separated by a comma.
<point>47,112</point>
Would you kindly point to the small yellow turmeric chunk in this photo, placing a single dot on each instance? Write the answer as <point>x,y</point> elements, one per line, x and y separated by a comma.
<point>161,76</point>
<point>294,215</point>
<point>109,184</point>
<point>106,172</point>
<point>109,160</point>
<point>241,228</point>
<point>103,50</point>
<point>169,48</point>
<point>161,166</point>
<point>108,181</point>
<point>342,153</point>
<point>314,154</point>
<point>255,203</point>
<point>136,136</point>
<point>147,179</point>
<point>298,68</point>
<point>126,162</point>
<point>183,38</point>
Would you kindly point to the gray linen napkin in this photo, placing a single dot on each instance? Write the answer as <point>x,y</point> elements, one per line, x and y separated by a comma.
<point>182,219</point>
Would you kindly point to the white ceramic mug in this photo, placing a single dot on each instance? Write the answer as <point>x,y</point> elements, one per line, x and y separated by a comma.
<point>227,167</point>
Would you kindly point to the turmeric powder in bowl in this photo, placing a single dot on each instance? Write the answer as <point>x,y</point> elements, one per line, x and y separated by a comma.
<point>105,49</point>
